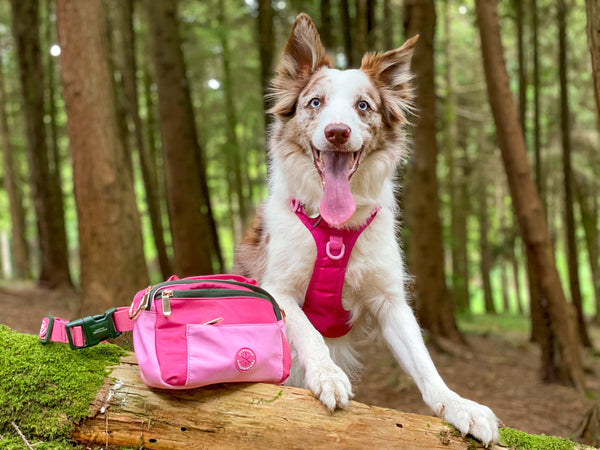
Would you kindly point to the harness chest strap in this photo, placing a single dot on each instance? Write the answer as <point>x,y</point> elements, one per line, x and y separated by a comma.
<point>323,298</point>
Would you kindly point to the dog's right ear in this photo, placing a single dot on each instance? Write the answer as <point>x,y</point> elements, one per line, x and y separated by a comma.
<point>303,55</point>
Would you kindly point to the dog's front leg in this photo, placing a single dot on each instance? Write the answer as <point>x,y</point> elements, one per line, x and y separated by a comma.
<point>322,376</point>
<point>402,333</point>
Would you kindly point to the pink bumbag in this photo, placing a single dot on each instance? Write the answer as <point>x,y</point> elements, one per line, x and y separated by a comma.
<point>194,331</point>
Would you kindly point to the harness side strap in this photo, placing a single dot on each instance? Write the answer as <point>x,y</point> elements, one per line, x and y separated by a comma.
<point>88,331</point>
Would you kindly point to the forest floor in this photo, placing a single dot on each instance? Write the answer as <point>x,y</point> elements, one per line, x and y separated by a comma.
<point>499,368</point>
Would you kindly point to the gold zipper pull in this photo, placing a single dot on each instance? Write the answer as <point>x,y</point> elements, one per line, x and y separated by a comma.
<point>166,305</point>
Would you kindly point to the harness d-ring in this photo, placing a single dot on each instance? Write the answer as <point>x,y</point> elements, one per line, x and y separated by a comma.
<point>340,255</point>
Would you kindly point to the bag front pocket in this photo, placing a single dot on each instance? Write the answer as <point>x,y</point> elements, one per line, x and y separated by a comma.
<point>234,353</point>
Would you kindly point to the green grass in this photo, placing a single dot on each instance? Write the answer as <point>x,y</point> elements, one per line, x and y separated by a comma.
<point>494,324</point>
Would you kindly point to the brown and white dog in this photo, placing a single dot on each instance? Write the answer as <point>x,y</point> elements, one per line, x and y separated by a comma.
<point>328,121</point>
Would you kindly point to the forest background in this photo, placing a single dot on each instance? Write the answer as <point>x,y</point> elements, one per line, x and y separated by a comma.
<point>133,144</point>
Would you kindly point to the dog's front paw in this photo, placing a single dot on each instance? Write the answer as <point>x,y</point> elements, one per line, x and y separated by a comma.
<point>329,384</point>
<point>469,417</point>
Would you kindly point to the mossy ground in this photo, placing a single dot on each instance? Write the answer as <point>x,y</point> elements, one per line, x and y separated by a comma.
<point>45,388</point>
<point>519,440</point>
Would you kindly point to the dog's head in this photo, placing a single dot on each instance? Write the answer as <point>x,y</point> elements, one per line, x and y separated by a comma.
<point>329,121</point>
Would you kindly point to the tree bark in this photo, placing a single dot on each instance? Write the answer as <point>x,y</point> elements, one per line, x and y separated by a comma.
<point>266,47</point>
<point>110,239</point>
<point>347,32</point>
<point>458,207</point>
<point>232,144</point>
<point>129,71</point>
<point>426,258</point>
<point>526,201</point>
<point>326,27</point>
<point>11,186</point>
<point>485,262</point>
<point>249,416</point>
<point>54,264</point>
<point>565,128</point>
<point>593,32</point>
<point>195,243</point>
<point>588,208</point>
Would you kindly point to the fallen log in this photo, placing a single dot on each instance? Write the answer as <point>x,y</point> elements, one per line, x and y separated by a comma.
<point>127,413</point>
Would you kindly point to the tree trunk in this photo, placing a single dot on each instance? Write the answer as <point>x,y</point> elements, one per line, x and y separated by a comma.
<point>249,416</point>
<point>360,43</point>
<point>565,128</point>
<point>110,238</point>
<point>588,208</point>
<point>458,208</point>
<point>12,188</point>
<point>192,225</point>
<point>266,46</point>
<point>129,71</point>
<point>347,32</point>
<point>525,198</point>
<point>232,145</point>
<point>326,27</point>
<point>539,179</point>
<point>426,258</point>
<point>485,262</point>
<point>54,264</point>
<point>593,32</point>
<point>388,25</point>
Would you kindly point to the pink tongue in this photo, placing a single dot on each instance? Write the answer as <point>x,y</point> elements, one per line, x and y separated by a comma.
<point>337,205</point>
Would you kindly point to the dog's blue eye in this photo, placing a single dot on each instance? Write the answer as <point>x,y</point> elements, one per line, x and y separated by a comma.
<point>315,103</point>
<point>362,105</point>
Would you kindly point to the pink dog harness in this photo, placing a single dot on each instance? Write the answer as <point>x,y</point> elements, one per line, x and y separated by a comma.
<point>323,299</point>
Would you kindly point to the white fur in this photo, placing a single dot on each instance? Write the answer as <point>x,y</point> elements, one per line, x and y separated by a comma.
<point>374,284</point>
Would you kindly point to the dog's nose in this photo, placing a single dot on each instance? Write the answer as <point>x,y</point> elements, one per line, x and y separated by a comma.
<point>337,133</point>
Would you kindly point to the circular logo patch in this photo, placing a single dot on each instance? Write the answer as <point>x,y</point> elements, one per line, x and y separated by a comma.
<point>245,359</point>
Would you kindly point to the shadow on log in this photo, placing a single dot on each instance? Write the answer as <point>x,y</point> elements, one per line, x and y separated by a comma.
<point>127,413</point>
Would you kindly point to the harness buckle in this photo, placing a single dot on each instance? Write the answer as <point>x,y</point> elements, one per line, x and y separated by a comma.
<point>95,329</point>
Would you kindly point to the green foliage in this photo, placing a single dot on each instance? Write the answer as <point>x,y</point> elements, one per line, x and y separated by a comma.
<point>45,388</point>
<point>519,440</point>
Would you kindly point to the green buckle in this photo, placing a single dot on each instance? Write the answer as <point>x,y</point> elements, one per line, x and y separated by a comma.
<point>95,329</point>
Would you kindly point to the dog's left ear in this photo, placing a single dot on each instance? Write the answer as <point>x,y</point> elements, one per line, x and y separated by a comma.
<point>390,72</point>
<point>303,55</point>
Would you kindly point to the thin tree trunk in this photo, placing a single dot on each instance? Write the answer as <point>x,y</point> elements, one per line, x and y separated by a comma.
<point>110,237</point>
<point>360,42</point>
<point>326,27</point>
<point>588,207</point>
<point>232,144</point>
<point>129,70</point>
<point>593,32</point>
<point>458,213</point>
<point>526,201</point>
<point>485,261</point>
<point>515,270</point>
<point>539,180</point>
<point>54,264</point>
<point>388,25</point>
<point>192,225</point>
<point>565,128</point>
<point>519,12</point>
<point>11,186</point>
<point>347,32</point>
<point>266,43</point>
<point>426,258</point>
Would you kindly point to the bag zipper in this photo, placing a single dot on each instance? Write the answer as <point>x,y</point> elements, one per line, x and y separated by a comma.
<point>257,293</point>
